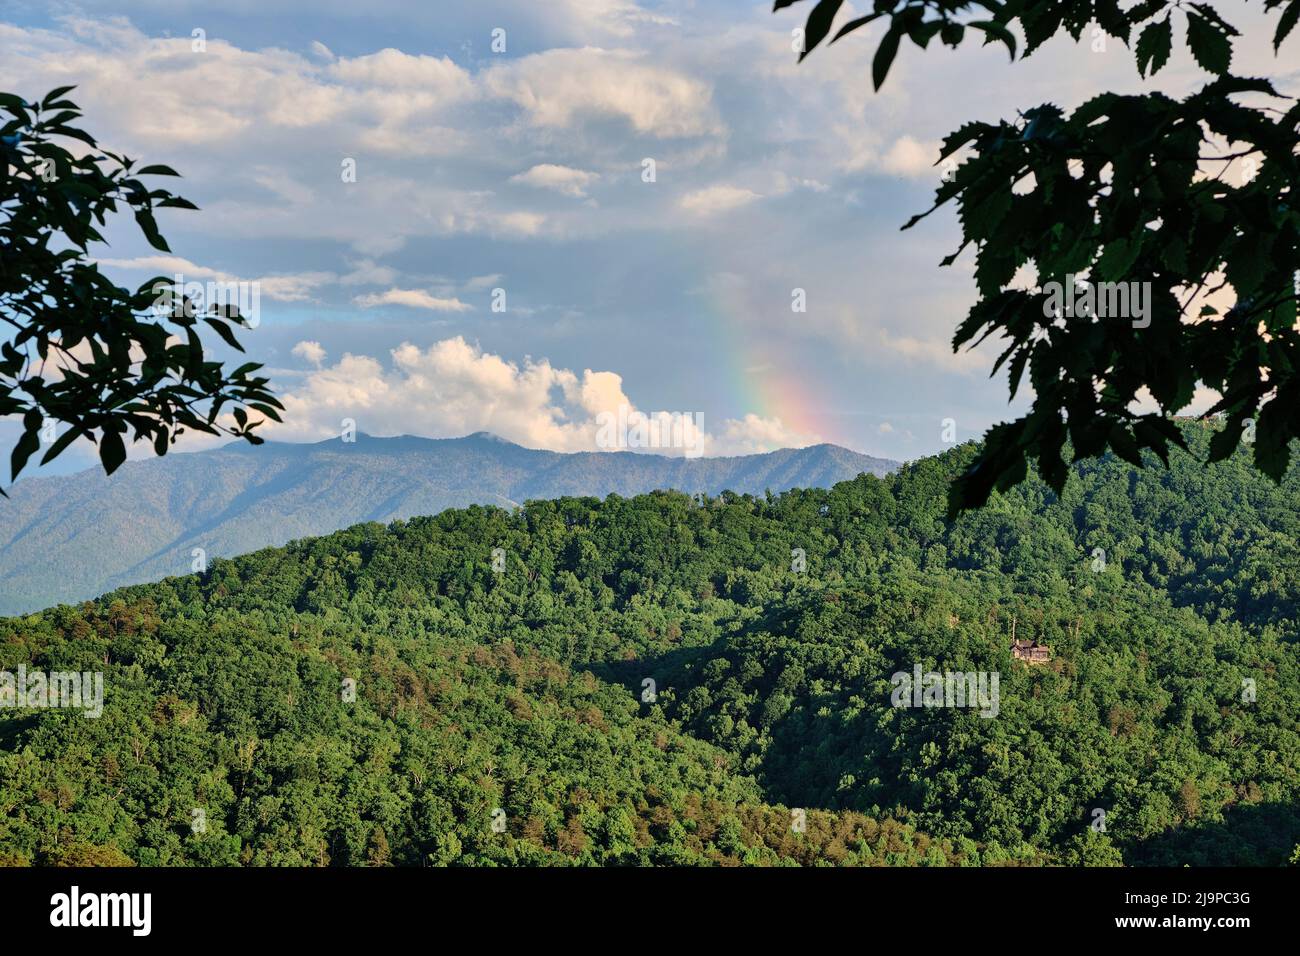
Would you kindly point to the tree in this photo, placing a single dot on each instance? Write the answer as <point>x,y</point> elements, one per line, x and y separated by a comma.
<point>83,351</point>
<point>1125,189</point>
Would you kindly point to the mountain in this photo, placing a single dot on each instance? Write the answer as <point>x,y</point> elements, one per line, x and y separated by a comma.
<point>73,537</point>
<point>654,680</point>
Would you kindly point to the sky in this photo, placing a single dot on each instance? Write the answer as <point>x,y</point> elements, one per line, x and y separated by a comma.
<point>452,234</point>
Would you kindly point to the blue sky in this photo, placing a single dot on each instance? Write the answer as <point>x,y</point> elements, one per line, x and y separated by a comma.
<point>522,171</point>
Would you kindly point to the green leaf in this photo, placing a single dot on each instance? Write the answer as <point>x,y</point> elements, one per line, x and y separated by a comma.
<point>855,24</point>
<point>149,226</point>
<point>266,410</point>
<point>15,104</point>
<point>1146,10</point>
<point>1124,445</point>
<point>1153,47</point>
<point>1212,15</point>
<point>1272,449</point>
<point>122,379</point>
<point>54,94</point>
<point>26,447</point>
<point>1117,258</point>
<point>885,54</point>
<point>1208,43</point>
<point>67,438</point>
<point>819,24</point>
<point>1285,25</point>
<point>996,31</point>
<point>961,137</point>
<point>1225,441</point>
<point>112,452</point>
<point>223,329</point>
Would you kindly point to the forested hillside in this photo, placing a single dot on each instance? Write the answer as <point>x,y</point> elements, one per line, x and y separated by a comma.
<point>74,537</point>
<point>670,679</point>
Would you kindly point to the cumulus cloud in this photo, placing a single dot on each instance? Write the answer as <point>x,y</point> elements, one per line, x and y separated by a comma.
<point>435,77</point>
<point>908,157</point>
<point>587,86</point>
<point>562,88</point>
<point>387,112</point>
<point>755,433</point>
<point>864,149</point>
<point>454,388</point>
<point>310,351</point>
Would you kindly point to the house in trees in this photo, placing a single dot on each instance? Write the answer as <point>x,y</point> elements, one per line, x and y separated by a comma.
<point>1031,652</point>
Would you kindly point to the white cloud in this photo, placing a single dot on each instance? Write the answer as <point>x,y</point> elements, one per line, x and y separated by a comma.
<point>291,287</point>
<point>294,288</point>
<point>562,179</point>
<point>716,199</point>
<point>163,91</point>
<point>619,18</point>
<point>453,388</point>
<point>862,150</point>
<point>935,352</point>
<point>310,351</point>
<point>478,283</point>
<point>907,157</point>
<point>369,272</point>
<point>437,79</point>
<point>562,88</point>
<point>754,434</point>
<point>412,298</point>
<point>718,101</point>
<point>598,392</point>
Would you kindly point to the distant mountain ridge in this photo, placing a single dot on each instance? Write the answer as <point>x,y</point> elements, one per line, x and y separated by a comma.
<point>73,537</point>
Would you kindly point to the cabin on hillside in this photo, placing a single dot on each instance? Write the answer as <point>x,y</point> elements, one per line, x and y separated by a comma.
<point>1031,652</point>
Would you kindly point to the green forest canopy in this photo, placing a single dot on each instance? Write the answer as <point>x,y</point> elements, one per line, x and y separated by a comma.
<point>523,690</point>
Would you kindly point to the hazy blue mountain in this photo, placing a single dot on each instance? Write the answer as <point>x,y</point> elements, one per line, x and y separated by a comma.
<point>73,537</point>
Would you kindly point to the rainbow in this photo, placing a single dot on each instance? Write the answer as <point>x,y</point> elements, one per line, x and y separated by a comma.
<point>759,377</point>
